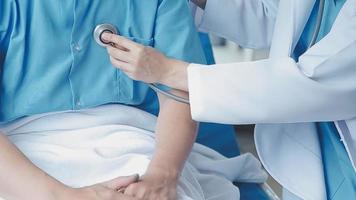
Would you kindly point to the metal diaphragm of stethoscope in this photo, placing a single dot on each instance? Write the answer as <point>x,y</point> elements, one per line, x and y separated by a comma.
<point>102,28</point>
<point>108,28</point>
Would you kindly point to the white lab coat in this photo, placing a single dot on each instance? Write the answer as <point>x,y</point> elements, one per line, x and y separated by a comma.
<point>282,96</point>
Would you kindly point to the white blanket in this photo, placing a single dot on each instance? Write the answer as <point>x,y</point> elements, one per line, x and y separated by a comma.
<point>82,148</point>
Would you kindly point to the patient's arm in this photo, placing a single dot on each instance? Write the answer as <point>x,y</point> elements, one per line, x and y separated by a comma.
<point>20,179</point>
<point>175,136</point>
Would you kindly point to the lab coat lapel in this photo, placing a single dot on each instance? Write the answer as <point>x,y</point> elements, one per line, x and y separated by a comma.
<point>292,17</point>
<point>291,152</point>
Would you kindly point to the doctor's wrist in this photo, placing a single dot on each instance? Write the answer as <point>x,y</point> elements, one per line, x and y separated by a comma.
<point>176,76</point>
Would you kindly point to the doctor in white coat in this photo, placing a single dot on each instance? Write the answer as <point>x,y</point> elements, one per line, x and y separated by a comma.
<point>285,95</point>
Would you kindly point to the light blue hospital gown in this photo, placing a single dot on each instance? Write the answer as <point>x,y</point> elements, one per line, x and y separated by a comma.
<point>50,62</point>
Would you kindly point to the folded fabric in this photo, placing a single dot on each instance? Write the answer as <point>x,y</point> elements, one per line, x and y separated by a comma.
<point>81,148</point>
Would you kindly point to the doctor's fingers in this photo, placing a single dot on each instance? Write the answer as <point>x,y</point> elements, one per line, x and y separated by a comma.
<point>122,65</point>
<point>121,55</point>
<point>120,41</point>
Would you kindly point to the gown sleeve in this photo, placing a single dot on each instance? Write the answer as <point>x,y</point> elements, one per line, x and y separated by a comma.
<point>175,32</point>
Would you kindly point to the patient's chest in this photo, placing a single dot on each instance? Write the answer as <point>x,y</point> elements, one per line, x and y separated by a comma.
<point>50,61</point>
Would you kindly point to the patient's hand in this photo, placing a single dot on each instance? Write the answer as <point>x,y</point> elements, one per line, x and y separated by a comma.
<point>156,184</point>
<point>104,191</point>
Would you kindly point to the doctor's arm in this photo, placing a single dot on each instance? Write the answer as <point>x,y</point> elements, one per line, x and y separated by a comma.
<point>320,87</point>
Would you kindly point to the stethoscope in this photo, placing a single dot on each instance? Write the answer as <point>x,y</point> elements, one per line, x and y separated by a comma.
<point>102,28</point>
<point>108,28</point>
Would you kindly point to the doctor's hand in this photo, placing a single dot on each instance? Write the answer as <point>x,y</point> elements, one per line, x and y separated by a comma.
<point>156,184</point>
<point>109,190</point>
<point>144,63</point>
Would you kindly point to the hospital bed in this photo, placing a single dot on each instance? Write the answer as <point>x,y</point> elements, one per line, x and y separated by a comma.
<point>226,145</point>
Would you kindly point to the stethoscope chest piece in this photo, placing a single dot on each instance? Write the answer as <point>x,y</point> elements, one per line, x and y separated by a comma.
<point>103,28</point>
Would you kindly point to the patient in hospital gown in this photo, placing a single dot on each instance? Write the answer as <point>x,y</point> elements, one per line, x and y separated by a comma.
<point>60,96</point>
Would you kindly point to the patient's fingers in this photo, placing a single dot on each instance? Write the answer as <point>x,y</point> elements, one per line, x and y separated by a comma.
<point>121,182</point>
<point>119,40</point>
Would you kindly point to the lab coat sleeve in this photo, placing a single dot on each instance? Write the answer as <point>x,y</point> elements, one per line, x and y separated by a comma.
<point>248,23</point>
<point>175,32</point>
<point>320,87</point>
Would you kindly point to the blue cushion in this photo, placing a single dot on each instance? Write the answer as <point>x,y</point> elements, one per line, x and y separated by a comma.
<point>251,191</point>
<point>219,137</point>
